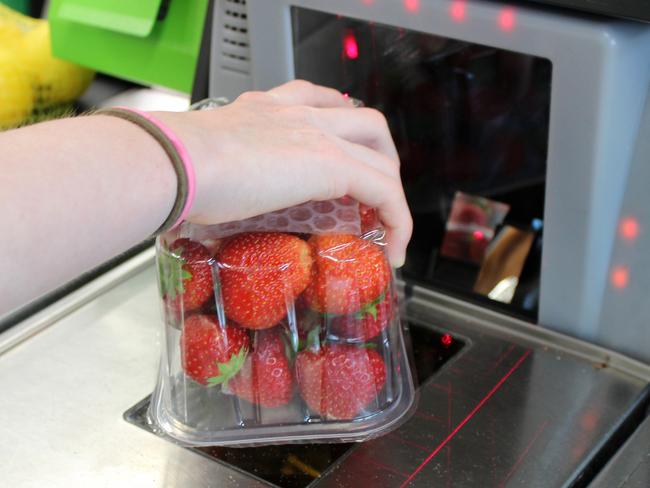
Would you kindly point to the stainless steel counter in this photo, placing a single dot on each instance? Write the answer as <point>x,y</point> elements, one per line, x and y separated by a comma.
<point>64,390</point>
<point>518,406</point>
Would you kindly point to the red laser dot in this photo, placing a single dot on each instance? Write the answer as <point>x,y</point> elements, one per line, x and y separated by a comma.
<point>457,10</point>
<point>589,420</point>
<point>412,5</point>
<point>446,340</point>
<point>629,228</point>
<point>350,46</point>
<point>478,235</point>
<point>507,19</point>
<point>620,276</point>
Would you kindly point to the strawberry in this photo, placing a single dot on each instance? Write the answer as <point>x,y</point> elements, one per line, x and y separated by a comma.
<point>186,275</point>
<point>350,273</point>
<point>340,381</point>
<point>266,378</point>
<point>261,273</point>
<point>367,323</point>
<point>211,354</point>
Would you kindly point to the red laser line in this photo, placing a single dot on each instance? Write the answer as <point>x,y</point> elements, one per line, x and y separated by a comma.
<point>469,416</point>
<point>439,387</point>
<point>380,465</point>
<point>523,454</point>
<point>503,355</point>
<point>407,442</point>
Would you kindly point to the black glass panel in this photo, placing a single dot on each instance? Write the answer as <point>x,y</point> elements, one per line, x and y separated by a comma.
<point>471,126</point>
<point>298,465</point>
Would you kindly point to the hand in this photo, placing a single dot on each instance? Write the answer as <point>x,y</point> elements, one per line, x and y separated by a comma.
<point>294,143</point>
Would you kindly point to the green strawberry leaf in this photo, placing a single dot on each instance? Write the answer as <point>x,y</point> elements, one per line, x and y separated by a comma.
<point>313,339</point>
<point>229,369</point>
<point>172,274</point>
<point>371,308</point>
<point>368,345</point>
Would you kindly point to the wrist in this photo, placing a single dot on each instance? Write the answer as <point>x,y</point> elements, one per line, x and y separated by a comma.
<point>200,151</point>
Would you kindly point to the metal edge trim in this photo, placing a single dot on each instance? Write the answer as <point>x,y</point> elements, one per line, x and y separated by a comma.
<point>69,303</point>
<point>530,333</point>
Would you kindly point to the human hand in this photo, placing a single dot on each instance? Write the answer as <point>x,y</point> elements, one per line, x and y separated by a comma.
<point>297,142</point>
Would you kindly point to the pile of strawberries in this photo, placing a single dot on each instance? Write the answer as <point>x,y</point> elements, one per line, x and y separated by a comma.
<point>301,315</point>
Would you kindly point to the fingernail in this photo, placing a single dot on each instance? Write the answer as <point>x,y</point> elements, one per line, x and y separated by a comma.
<point>399,262</point>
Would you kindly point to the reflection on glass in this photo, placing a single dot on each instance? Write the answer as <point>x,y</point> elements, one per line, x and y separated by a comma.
<point>470,227</point>
<point>465,117</point>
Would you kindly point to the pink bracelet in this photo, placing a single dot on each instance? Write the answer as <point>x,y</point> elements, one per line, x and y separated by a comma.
<point>178,155</point>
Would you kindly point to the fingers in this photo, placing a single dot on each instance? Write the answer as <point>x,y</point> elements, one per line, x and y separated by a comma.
<point>372,158</point>
<point>352,151</point>
<point>385,193</point>
<point>300,92</point>
<point>388,198</point>
<point>364,126</point>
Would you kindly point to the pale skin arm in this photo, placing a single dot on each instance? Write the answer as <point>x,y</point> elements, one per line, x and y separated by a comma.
<point>79,191</point>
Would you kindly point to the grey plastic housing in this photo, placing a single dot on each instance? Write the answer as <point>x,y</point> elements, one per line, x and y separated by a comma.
<point>601,75</point>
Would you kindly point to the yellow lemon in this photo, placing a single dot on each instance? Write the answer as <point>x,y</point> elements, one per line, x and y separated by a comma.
<point>55,81</point>
<point>16,94</point>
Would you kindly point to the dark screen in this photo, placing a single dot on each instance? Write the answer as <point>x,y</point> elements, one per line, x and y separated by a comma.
<point>465,118</point>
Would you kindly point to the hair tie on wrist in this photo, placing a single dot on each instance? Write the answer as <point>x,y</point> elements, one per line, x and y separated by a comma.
<point>178,155</point>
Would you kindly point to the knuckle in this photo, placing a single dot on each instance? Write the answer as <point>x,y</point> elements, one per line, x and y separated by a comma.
<point>336,186</point>
<point>377,117</point>
<point>302,114</point>
<point>251,96</point>
<point>300,84</point>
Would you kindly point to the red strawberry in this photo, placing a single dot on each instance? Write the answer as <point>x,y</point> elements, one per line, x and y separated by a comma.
<point>266,377</point>
<point>186,275</point>
<point>367,323</point>
<point>340,381</point>
<point>211,354</point>
<point>350,273</point>
<point>260,273</point>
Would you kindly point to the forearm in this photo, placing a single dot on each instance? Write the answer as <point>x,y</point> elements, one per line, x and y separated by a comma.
<point>75,193</point>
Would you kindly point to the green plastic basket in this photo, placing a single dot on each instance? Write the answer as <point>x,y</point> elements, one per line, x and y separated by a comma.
<point>148,41</point>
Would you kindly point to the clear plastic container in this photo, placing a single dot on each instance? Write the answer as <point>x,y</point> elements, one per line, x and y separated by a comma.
<point>281,328</point>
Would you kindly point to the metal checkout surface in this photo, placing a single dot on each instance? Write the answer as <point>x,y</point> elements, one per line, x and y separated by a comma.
<point>515,406</point>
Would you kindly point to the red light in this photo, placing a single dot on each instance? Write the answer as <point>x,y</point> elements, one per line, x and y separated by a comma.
<point>589,420</point>
<point>368,2</point>
<point>629,228</point>
<point>620,277</point>
<point>457,10</point>
<point>412,5</point>
<point>478,235</point>
<point>446,340</point>
<point>350,46</point>
<point>507,19</point>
